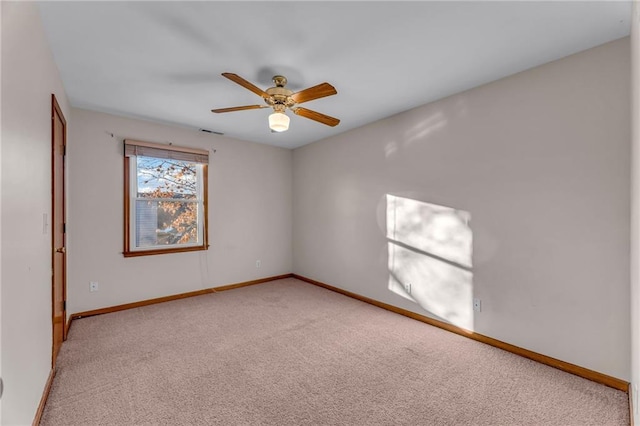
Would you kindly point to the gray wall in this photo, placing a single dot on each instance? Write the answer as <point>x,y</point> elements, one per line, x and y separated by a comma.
<point>249,215</point>
<point>540,161</point>
<point>29,77</point>
<point>635,211</point>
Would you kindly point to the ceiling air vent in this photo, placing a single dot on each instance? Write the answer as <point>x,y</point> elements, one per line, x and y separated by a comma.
<point>211,131</point>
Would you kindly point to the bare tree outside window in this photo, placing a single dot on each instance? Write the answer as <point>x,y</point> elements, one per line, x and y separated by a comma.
<point>168,188</point>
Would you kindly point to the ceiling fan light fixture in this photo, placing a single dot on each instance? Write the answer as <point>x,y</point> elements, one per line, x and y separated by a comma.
<point>278,122</point>
<point>280,99</point>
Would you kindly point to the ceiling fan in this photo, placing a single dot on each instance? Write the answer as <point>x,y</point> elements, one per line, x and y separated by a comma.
<point>280,99</point>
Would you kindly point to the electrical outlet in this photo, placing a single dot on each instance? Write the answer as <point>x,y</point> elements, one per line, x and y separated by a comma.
<point>93,286</point>
<point>407,288</point>
<point>477,305</point>
<point>258,263</point>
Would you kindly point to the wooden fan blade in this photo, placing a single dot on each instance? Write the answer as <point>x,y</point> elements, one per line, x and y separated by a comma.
<point>314,115</point>
<point>244,83</point>
<point>315,92</point>
<point>238,108</point>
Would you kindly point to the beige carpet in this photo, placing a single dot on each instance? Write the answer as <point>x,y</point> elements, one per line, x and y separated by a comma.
<point>290,353</point>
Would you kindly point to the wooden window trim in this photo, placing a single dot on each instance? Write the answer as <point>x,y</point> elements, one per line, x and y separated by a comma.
<point>127,252</point>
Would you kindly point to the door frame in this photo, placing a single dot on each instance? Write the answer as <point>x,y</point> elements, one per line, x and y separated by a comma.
<point>57,111</point>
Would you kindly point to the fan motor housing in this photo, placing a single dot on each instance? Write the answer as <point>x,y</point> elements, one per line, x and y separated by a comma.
<point>279,95</point>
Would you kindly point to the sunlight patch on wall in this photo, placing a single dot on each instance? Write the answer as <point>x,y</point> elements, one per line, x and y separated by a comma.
<point>425,128</point>
<point>390,148</point>
<point>421,130</point>
<point>430,251</point>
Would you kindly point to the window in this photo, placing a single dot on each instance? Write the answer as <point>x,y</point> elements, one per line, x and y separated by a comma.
<point>165,198</point>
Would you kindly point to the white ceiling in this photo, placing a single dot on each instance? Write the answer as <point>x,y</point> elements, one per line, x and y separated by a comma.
<point>162,60</point>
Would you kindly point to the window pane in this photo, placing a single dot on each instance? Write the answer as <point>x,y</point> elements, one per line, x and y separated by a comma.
<point>165,212</point>
<point>166,223</point>
<point>164,178</point>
